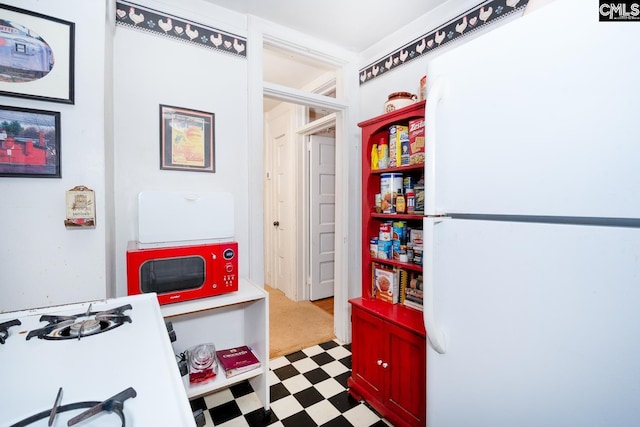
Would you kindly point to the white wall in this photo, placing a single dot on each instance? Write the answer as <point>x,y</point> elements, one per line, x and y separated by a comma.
<point>152,70</point>
<point>41,262</point>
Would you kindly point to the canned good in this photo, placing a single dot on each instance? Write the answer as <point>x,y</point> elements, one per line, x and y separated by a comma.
<point>373,246</point>
<point>384,234</point>
<point>410,197</point>
<point>410,251</point>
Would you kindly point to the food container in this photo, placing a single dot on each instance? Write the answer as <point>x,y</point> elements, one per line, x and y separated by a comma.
<point>386,285</point>
<point>378,199</point>
<point>399,231</point>
<point>416,142</point>
<point>398,134</point>
<point>383,154</point>
<point>419,197</point>
<point>203,365</point>
<point>398,100</point>
<point>385,232</point>
<point>373,246</point>
<point>385,249</point>
<point>389,184</point>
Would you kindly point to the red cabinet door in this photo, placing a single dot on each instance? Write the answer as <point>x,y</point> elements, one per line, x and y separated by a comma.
<point>367,349</point>
<point>406,375</point>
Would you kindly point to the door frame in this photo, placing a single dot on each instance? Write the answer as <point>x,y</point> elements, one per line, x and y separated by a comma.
<point>347,157</point>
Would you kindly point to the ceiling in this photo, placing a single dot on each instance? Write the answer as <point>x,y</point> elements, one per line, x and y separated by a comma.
<point>352,24</point>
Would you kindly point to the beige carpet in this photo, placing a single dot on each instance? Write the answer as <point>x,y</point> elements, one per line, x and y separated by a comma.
<point>295,325</point>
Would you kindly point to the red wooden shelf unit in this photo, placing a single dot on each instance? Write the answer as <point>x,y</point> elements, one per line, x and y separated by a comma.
<point>388,340</point>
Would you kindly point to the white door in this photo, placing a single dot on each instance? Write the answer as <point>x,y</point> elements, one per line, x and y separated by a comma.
<point>322,216</point>
<point>278,224</point>
<point>536,140</point>
<point>540,322</point>
<point>281,221</point>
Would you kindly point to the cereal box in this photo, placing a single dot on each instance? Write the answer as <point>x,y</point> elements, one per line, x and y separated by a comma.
<point>416,141</point>
<point>397,134</point>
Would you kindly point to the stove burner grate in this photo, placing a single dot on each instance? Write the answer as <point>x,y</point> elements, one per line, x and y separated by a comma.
<point>113,404</point>
<point>4,329</point>
<point>81,325</point>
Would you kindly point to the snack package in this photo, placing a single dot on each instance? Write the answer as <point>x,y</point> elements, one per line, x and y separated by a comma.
<point>416,141</point>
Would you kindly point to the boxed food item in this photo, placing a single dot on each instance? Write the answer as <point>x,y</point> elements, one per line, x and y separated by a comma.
<point>416,141</point>
<point>385,284</point>
<point>419,197</point>
<point>412,296</point>
<point>397,135</point>
<point>385,249</point>
<point>417,255</point>
<point>415,236</point>
<point>405,155</point>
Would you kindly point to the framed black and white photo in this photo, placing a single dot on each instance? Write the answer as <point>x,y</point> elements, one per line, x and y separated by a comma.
<point>186,139</point>
<point>37,56</point>
<point>29,143</point>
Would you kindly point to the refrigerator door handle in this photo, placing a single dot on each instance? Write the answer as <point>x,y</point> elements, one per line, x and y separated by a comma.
<point>435,94</point>
<point>436,337</point>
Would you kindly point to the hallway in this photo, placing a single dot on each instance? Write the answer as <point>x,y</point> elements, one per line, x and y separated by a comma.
<point>297,325</point>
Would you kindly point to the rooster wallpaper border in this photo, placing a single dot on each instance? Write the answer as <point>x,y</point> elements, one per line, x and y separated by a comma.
<point>145,19</point>
<point>466,23</point>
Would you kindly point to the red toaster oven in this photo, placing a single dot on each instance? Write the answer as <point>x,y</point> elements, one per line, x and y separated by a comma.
<point>180,273</point>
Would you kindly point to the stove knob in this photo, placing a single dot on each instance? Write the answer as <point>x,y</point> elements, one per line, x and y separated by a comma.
<point>183,367</point>
<point>172,333</point>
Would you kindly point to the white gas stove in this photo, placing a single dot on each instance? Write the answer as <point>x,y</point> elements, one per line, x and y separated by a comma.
<point>101,363</point>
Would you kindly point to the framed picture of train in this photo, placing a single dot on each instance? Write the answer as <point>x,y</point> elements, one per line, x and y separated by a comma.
<point>36,56</point>
<point>29,143</point>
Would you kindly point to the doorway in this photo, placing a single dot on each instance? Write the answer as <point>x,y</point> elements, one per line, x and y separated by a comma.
<point>342,106</point>
<point>299,190</point>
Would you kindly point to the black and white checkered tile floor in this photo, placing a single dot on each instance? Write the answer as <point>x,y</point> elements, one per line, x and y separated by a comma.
<point>308,388</point>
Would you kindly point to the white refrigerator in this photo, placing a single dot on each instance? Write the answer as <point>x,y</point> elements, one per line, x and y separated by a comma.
<point>532,240</point>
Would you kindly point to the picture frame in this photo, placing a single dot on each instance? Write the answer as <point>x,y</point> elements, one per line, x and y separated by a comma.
<point>187,139</point>
<point>37,57</point>
<point>29,143</point>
